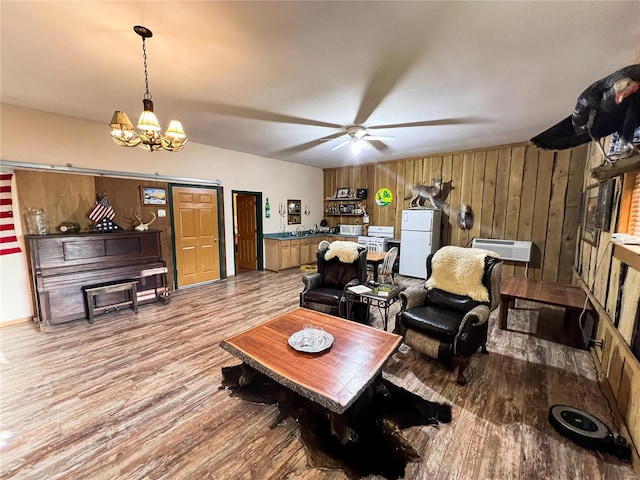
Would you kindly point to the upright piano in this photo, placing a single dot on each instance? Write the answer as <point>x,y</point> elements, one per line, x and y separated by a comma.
<point>61,264</point>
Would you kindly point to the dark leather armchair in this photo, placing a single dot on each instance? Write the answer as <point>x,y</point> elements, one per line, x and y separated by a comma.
<point>324,290</point>
<point>448,318</point>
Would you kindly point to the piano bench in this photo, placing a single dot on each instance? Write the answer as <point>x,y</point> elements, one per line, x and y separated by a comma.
<point>92,291</point>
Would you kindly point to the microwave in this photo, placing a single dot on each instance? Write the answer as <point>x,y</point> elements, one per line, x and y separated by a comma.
<point>350,229</point>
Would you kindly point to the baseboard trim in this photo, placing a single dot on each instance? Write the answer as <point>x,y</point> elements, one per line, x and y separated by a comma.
<point>16,321</point>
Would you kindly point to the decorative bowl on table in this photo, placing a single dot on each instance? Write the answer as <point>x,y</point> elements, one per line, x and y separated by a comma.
<point>310,340</point>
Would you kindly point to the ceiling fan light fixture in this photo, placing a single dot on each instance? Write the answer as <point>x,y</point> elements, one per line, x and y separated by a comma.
<point>359,144</point>
<point>148,134</point>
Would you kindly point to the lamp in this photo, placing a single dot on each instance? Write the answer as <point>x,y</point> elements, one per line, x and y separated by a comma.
<point>147,135</point>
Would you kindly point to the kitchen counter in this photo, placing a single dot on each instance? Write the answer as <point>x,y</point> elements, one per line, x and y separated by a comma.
<point>290,236</point>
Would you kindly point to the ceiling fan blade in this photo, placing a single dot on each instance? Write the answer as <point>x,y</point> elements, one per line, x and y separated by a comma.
<point>391,69</point>
<point>311,144</point>
<point>432,123</point>
<point>379,145</point>
<point>366,145</point>
<point>239,111</point>
<point>380,137</point>
<point>346,142</point>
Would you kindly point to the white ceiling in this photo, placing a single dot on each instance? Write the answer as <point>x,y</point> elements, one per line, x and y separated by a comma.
<point>276,78</point>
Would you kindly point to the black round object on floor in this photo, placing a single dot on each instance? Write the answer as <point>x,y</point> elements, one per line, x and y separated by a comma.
<point>587,431</point>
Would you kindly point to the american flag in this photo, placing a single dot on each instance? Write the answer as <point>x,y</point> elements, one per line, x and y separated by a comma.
<point>101,210</point>
<point>8,241</point>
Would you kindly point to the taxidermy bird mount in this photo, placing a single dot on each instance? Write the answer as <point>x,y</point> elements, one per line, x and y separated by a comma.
<point>612,104</point>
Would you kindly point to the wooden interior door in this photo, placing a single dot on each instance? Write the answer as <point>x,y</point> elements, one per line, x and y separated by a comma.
<point>195,213</point>
<point>247,253</point>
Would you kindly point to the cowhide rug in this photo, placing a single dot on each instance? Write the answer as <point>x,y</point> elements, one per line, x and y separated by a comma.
<point>373,444</point>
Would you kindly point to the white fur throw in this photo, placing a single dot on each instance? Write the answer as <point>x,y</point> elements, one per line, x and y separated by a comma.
<point>459,270</point>
<point>347,252</point>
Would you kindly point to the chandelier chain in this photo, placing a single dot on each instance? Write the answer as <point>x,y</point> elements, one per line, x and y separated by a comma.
<point>147,95</point>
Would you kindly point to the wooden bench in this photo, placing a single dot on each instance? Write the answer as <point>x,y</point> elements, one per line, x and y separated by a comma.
<point>572,299</point>
<point>92,291</point>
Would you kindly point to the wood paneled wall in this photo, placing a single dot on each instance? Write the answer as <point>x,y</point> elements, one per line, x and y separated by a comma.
<point>69,198</point>
<point>614,290</point>
<point>516,192</point>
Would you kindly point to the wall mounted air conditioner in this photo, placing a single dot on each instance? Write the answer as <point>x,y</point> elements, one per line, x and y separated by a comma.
<point>515,250</point>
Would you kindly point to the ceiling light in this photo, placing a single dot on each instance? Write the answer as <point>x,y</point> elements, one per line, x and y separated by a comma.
<point>356,146</point>
<point>147,135</point>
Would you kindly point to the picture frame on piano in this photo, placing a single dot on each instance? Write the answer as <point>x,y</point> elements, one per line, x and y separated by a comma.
<point>153,195</point>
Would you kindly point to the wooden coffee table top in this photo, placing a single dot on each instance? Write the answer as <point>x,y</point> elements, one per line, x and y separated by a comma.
<point>334,378</point>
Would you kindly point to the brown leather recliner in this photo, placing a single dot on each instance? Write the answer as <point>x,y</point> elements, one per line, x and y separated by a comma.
<point>448,318</point>
<point>324,290</point>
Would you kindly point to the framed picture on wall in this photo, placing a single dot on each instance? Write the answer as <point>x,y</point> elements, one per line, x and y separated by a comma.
<point>153,195</point>
<point>605,204</point>
<point>590,232</point>
<point>342,193</point>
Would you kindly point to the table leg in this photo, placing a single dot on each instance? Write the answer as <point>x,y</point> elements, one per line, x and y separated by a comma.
<point>349,307</point>
<point>386,315</point>
<point>505,302</point>
<point>375,272</point>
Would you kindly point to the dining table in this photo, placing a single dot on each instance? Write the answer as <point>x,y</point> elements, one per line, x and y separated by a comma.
<point>375,258</point>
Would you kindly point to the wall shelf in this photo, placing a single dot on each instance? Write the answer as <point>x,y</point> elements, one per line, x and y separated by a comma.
<point>347,206</point>
<point>622,166</point>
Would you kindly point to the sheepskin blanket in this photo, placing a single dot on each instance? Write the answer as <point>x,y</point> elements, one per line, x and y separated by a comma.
<point>347,252</point>
<point>459,270</point>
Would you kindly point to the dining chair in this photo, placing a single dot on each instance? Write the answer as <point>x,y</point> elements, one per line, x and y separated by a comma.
<point>386,269</point>
<point>371,247</point>
<point>324,244</point>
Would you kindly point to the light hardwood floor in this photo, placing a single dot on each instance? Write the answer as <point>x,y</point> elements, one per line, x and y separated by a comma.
<point>136,397</point>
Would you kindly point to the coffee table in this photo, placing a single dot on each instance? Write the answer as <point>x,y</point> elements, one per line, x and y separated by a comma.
<point>333,378</point>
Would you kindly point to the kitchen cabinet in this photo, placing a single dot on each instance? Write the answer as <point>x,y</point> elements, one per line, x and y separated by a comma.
<point>281,254</point>
<point>308,249</point>
<point>353,239</point>
<point>294,255</point>
<point>272,254</point>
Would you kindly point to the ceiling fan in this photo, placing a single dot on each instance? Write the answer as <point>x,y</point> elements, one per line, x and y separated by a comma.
<point>359,138</point>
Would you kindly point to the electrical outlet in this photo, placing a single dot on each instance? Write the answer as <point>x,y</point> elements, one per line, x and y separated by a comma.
<point>162,213</point>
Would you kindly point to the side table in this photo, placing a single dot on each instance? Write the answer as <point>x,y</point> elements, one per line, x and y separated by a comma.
<point>572,298</point>
<point>373,298</point>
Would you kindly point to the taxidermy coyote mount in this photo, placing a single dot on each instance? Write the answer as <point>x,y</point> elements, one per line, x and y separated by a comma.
<point>421,193</point>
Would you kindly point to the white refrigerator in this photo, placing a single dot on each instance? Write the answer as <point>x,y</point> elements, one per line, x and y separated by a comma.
<point>420,236</point>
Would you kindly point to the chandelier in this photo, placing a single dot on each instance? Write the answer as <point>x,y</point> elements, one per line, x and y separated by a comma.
<point>147,135</point>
